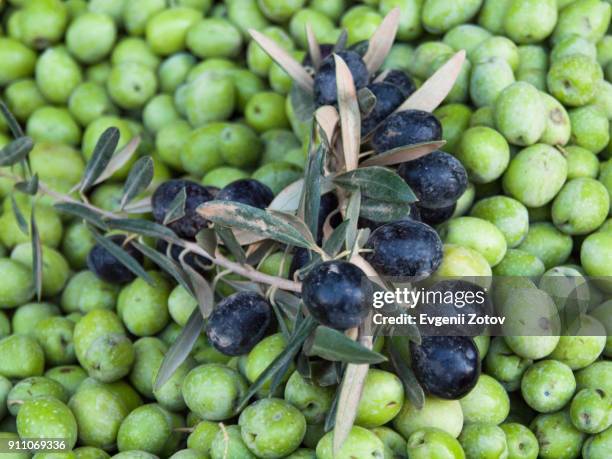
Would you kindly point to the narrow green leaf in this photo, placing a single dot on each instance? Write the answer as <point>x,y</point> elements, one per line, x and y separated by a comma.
<point>83,212</point>
<point>230,243</point>
<point>336,346</point>
<point>180,349</point>
<point>302,103</point>
<point>295,222</point>
<point>21,221</point>
<point>340,44</point>
<point>102,154</point>
<point>352,216</point>
<point>314,50</point>
<point>383,211</point>
<point>378,183</point>
<point>142,206</point>
<point>16,151</point>
<point>12,123</point>
<point>138,180</point>
<point>119,159</point>
<point>330,419</point>
<point>142,227</point>
<point>37,257</point>
<point>124,258</point>
<point>412,388</point>
<point>201,289</point>
<point>293,347</point>
<point>367,101</point>
<point>29,187</point>
<point>176,209</point>
<point>207,239</point>
<point>166,264</point>
<point>334,243</point>
<point>311,194</point>
<point>263,223</point>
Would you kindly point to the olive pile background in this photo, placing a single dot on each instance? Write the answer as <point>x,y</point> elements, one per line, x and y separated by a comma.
<point>529,119</point>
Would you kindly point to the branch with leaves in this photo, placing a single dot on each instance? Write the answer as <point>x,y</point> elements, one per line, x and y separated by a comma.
<point>239,236</point>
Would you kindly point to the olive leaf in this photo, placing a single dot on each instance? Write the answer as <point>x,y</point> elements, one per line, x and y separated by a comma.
<point>29,187</point>
<point>431,93</point>
<point>350,118</point>
<point>349,398</point>
<point>166,264</point>
<point>352,215</point>
<point>302,102</point>
<point>311,194</point>
<point>118,160</point>
<point>142,227</point>
<point>327,118</point>
<point>398,354</point>
<point>230,243</point>
<point>103,151</point>
<point>341,42</point>
<point>366,100</point>
<point>122,256</point>
<point>37,257</point>
<point>383,211</point>
<point>19,218</point>
<point>139,178</point>
<point>83,212</point>
<point>300,334</point>
<point>288,200</point>
<point>377,183</point>
<point>314,50</point>
<point>334,345</point>
<point>181,348</point>
<point>403,154</point>
<point>200,288</point>
<point>268,224</point>
<point>381,41</point>
<point>142,206</point>
<point>207,239</point>
<point>12,123</point>
<point>335,241</point>
<point>176,209</point>
<point>16,151</point>
<point>293,68</point>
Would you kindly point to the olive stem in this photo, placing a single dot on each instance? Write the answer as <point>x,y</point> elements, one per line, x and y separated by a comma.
<point>218,259</point>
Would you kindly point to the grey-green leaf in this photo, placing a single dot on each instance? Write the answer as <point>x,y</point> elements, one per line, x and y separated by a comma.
<point>181,348</point>
<point>367,101</point>
<point>83,212</point>
<point>261,222</point>
<point>230,243</point>
<point>336,346</point>
<point>412,388</point>
<point>377,183</point>
<point>165,264</point>
<point>21,221</point>
<point>352,215</point>
<point>37,257</point>
<point>102,154</point>
<point>28,186</point>
<point>334,243</point>
<point>176,209</point>
<point>124,258</point>
<point>383,211</point>
<point>311,192</point>
<point>16,151</point>
<point>303,103</point>
<point>12,123</point>
<point>142,227</point>
<point>138,179</point>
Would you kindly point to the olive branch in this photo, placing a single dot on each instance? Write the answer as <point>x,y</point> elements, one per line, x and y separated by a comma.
<point>240,236</point>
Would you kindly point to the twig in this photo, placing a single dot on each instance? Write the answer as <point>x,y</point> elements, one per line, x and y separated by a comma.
<point>218,259</point>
